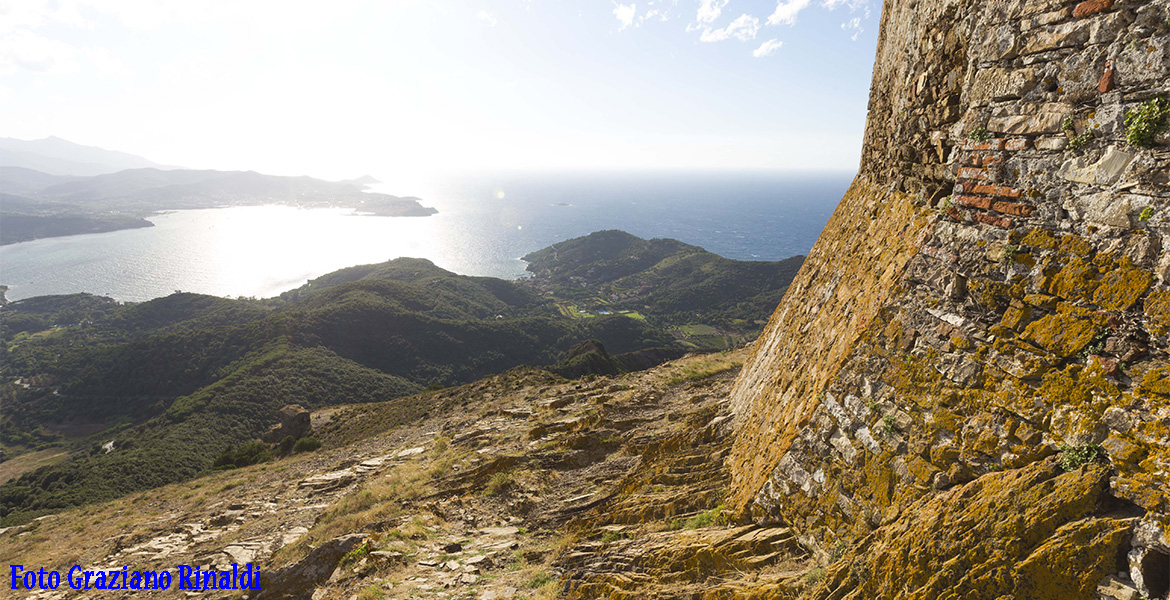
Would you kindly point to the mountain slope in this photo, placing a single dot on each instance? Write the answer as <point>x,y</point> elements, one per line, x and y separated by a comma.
<point>84,371</point>
<point>56,156</point>
<point>43,205</point>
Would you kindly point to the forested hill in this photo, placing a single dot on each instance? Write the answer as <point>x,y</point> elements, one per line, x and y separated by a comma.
<point>665,278</point>
<point>175,381</point>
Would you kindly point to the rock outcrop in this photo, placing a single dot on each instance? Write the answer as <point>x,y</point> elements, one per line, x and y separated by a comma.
<point>295,421</point>
<point>993,290</point>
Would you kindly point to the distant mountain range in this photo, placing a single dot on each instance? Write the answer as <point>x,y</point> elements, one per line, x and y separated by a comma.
<point>53,187</point>
<point>56,156</point>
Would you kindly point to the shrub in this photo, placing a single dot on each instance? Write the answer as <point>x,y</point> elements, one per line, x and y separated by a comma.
<point>498,484</point>
<point>1074,457</point>
<point>1080,141</point>
<point>356,554</point>
<point>242,456</point>
<point>308,444</point>
<point>286,445</point>
<point>1147,121</point>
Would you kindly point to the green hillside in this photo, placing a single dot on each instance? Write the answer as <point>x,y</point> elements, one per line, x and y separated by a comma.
<point>175,381</point>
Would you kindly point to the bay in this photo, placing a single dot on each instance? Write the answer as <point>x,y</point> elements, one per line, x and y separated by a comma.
<point>485,224</point>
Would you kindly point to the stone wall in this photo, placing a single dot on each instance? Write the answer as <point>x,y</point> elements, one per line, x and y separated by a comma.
<point>993,289</point>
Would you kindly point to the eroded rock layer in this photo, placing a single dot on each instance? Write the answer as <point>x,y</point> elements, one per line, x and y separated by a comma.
<point>991,292</point>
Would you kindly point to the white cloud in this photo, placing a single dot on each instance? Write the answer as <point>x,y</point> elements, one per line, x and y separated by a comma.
<point>709,10</point>
<point>767,48</point>
<point>27,51</point>
<point>488,18</point>
<point>854,5</point>
<point>625,14</point>
<point>786,11</point>
<point>853,25</point>
<point>106,64</point>
<point>743,28</point>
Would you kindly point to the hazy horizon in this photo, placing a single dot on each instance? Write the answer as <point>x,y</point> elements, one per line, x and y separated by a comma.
<point>412,89</point>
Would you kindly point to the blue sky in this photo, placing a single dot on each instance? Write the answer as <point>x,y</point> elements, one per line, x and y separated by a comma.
<point>411,88</point>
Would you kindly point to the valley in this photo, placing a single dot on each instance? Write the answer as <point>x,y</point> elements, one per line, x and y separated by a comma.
<point>164,387</point>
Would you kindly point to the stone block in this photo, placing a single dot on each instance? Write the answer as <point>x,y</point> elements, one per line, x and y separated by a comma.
<point>1066,35</point>
<point>1002,84</point>
<point>1045,122</point>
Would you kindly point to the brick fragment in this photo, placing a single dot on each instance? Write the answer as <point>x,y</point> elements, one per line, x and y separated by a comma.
<point>973,202</point>
<point>955,213</point>
<point>1004,222</point>
<point>987,190</point>
<point>973,173</point>
<point>993,144</point>
<point>1012,208</point>
<point>1017,144</point>
<point>1091,7</point>
<point>1107,82</point>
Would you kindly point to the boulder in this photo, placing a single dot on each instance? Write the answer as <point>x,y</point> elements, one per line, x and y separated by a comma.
<point>295,420</point>
<point>298,580</point>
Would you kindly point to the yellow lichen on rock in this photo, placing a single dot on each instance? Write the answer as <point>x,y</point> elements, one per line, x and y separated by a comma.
<point>1063,333</point>
<point>987,539</point>
<point>1122,286</point>
<point>1157,311</point>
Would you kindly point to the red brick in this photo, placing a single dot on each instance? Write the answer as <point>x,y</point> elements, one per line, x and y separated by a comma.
<point>973,173</point>
<point>1012,208</point>
<point>1107,83</point>
<point>1091,7</point>
<point>1016,144</point>
<point>973,202</point>
<point>993,190</point>
<point>1004,222</point>
<point>955,213</point>
<point>995,145</point>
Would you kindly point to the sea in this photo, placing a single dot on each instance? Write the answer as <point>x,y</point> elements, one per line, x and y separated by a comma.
<point>485,224</point>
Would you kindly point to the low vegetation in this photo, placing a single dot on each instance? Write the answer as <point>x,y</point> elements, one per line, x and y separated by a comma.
<point>1145,122</point>
<point>178,386</point>
<point>1074,457</point>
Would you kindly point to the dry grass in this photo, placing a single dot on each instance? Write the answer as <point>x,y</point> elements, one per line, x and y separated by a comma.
<point>702,367</point>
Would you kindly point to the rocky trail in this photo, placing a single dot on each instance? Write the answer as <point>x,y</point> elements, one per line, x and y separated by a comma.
<point>524,486</point>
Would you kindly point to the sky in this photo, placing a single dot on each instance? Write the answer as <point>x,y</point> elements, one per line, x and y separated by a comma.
<point>411,88</point>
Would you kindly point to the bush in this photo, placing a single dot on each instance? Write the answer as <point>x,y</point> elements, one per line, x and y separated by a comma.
<point>242,456</point>
<point>308,444</point>
<point>1074,457</point>
<point>286,445</point>
<point>498,484</point>
<point>1147,121</point>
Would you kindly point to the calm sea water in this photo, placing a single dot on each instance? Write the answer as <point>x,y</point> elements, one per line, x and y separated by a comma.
<point>485,224</point>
